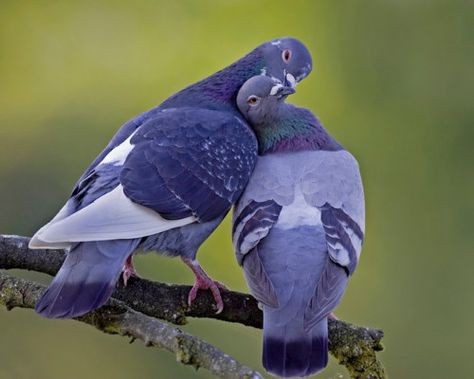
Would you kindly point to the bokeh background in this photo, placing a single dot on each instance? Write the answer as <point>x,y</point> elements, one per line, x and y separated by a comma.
<point>393,81</point>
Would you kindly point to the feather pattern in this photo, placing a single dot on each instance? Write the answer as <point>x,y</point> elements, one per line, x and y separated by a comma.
<point>196,163</point>
<point>252,224</point>
<point>295,184</point>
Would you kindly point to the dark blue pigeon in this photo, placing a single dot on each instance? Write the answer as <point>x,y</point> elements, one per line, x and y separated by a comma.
<point>298,227</point>
<point>164,183</point>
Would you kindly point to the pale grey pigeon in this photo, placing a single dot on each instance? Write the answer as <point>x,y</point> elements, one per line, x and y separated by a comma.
<point>298,227</point>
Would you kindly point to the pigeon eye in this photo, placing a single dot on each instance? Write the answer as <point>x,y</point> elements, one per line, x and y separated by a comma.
<point>253,100</point>
<point>286,55</point>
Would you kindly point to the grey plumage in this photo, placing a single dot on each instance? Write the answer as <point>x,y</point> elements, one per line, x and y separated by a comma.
<point>298,229</point>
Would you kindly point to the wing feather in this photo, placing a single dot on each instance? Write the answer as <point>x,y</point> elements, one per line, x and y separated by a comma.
<point>112,216</point>
<point>180,166</point>
<point>192,162</point>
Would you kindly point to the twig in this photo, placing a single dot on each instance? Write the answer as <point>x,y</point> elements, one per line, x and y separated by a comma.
<point>355,347</point>
<point>117,318</point>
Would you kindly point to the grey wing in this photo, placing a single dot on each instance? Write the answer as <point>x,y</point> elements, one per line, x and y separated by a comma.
<point>343,237</point>
<point>339,197</point>
<point>344,240</point>
<point>190,162</point>
<point>181,166</point>
<point>258,280</point>
<point>251,225</point>
<point>269,189</point>
<point>328,292</point>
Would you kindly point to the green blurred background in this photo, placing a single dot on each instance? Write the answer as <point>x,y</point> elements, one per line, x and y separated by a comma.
<point>393,81</point>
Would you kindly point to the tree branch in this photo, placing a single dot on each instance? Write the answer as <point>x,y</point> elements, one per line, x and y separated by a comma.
<point>117,318</point>
<point>355,347</point>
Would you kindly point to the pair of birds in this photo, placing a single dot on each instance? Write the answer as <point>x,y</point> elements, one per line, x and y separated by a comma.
<point>169,176</point>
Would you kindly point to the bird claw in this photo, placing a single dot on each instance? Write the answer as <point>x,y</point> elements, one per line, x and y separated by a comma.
<point>204,282</point>
<point>128,271</point>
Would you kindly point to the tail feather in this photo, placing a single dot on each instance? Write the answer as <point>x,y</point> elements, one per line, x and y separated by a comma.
<point>86,279</point>
<point>319,348</point>
<point>290,351</point>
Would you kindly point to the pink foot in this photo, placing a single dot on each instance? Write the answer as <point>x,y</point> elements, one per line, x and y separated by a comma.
<point>332,316</point>
<point>204,282</point>
<point>128,271</point>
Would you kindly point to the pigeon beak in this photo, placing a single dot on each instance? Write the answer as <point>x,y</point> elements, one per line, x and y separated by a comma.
<point>284,91</point>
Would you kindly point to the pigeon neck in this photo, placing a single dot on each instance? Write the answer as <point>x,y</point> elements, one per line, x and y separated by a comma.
<point>224,85</point>
<point>219,91</point>
<point>295,129</point>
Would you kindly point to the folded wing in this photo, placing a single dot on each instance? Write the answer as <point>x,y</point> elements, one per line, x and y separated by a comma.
<point>182,166</point>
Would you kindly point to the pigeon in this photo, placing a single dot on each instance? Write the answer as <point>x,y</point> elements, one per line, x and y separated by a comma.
<point>297,228</point>
<point>163,183</point>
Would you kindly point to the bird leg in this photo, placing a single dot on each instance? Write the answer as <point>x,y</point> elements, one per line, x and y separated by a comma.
<point>128,270</point>
<point>332,316</point>
<point>204,282</point>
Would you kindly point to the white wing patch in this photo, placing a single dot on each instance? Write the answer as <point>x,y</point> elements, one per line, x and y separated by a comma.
<point>252,239</point>
<point>112,216</point>
<point>118,155</point>
<point>299,213</point>
<point>339,253</point>
<point>36,243</point>
<point>355,239</point>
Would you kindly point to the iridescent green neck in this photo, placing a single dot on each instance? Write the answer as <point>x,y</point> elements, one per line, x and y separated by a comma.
<point>294,129</point>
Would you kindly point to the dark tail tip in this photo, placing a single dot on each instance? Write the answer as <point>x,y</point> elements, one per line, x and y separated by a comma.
<point>296,358</point>
<point>318,359</point>
<point>69,301</point>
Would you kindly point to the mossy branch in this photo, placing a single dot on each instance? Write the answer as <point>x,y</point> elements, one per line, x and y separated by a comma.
<point>117,318</point>
<point>354,347</point>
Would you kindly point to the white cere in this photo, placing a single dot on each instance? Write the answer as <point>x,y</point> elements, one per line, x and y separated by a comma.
<point>291,79</point>
<point>275,89</point>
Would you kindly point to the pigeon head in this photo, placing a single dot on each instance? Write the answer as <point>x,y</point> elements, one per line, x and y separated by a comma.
<point>260,98</point>
<point>287,60</point>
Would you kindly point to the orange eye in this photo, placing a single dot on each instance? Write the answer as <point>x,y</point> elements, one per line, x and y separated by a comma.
<point>253,100</point>
<point>286,55</point>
